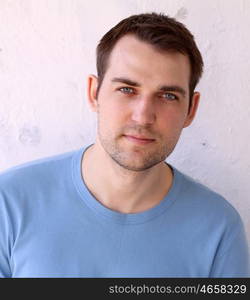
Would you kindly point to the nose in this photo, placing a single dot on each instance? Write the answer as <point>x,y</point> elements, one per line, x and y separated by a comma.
<point>143,111</point>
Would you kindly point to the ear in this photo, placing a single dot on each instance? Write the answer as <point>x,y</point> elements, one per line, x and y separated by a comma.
<point>92,83</point>
<point>193,109</point>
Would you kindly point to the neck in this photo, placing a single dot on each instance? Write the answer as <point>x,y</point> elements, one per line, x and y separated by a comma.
<point>120,189</point>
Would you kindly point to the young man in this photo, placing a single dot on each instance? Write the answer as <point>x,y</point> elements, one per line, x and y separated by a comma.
<point>116,208</point>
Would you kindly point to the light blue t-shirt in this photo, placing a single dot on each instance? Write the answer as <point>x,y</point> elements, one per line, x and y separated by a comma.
<point>52,226</point>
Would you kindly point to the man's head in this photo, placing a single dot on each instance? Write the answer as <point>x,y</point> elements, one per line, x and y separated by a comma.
<point>148,66</point>
<point>162,32</point>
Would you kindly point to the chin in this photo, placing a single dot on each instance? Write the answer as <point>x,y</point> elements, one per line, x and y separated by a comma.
<point>133,157</point>
<point>135,165</point>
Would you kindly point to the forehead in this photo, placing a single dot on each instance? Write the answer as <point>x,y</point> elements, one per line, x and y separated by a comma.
<point>132,57</point>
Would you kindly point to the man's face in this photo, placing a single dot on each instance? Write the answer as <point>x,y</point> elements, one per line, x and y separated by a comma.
<point>142,104</point>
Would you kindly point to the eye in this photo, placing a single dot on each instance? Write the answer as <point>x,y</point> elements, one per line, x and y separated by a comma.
<point>126,90</point>
<point>169,96</point>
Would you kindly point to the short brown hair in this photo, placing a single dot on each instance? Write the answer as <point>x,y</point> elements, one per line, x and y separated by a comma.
<point>159,30</point>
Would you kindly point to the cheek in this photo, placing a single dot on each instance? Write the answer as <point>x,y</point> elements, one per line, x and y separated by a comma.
<point>110,118</point>
<point>113,108</point>
<point>171,123</point>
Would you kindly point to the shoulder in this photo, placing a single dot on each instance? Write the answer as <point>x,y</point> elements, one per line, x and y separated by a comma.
<point>40,171</point>
<point>205,203</point>
<point>211,217</point>
<point>26,187</point>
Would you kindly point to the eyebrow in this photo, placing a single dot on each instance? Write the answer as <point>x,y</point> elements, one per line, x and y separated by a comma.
<point>173,88</point>
<point>163,88</point>
<point>125,80</point>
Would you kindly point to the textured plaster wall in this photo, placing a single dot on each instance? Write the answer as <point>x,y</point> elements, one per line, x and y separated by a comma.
<point>47,48</point>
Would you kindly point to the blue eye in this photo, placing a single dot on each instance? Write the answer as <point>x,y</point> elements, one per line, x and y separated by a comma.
<point>126,90</point>
<point>169,96</point>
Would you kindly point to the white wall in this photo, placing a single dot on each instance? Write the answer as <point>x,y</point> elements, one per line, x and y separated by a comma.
<point>47,48</point>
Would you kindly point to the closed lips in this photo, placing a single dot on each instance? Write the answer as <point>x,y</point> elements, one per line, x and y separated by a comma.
<point>140,137</point>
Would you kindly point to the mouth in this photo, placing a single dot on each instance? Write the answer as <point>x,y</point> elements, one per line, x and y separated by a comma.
<point>139,139</point>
